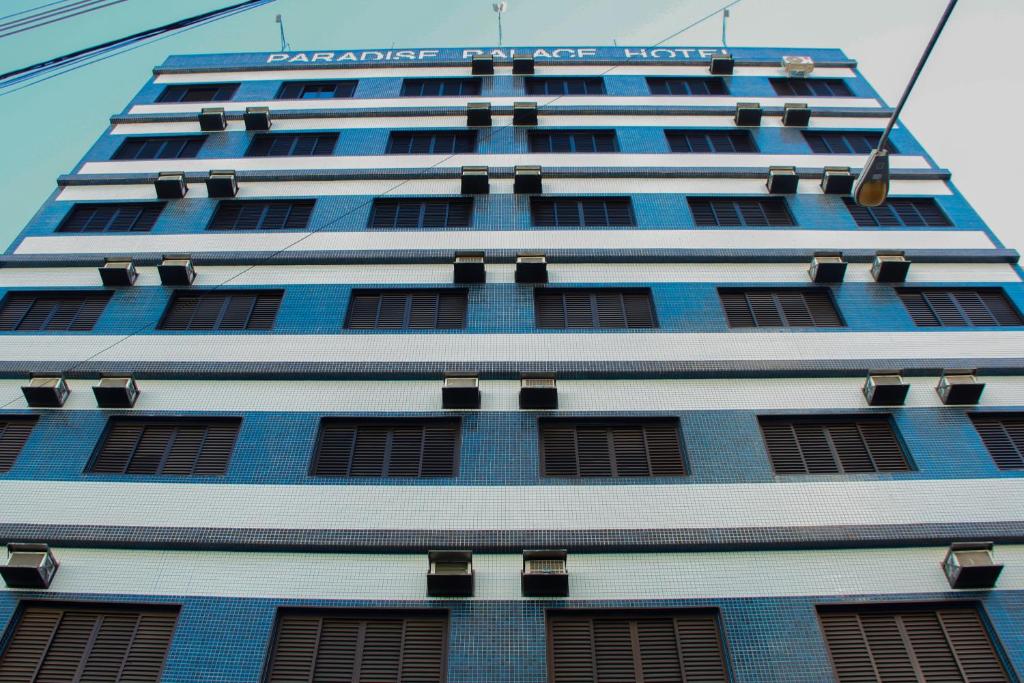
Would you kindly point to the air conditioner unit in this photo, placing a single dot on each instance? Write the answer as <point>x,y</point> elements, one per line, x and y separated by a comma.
<point>522,65</point>
<point>212,119</point>
<point>221,184</point>
<point>469,268</point>
<point>46,391</point>
<point>797,66</point>
<point>538,392</point>
<point>722,64</point>
<point>837,180</point>
<point>116,392</point>
<point>545,573</point>
<point>527,180</point>
<point>524,113</point>
<point>257,118</point>
<point>170,185</point>
<point>460,392</point>
<point>475,180</point>
<point>890,267</point>
<point>531,269</point>
<point>118,273</point>
<point>450,573</point>
<point>796,114</point>
<point>782,179</point>
<point>885,388</point>
<point>176,270</point>
<point>29,565</point>
<point>478,114</point>
<point>827,268</point>
<point>483,65</point>
<point>748,114</point>
<point>971,565</point>
<point>960,387</point>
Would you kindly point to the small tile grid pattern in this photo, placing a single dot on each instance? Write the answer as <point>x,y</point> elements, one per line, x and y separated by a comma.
<point>223,640</point>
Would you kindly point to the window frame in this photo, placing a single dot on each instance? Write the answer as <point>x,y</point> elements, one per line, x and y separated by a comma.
<point>230,87</point>
<point>326,421</point>
<point>446,83</point>
<point>292,202</point>
<point>160,420</point>
<point>581,202</point>
<point>829,83</point>
<point>14,453</point>
<point>824,136</point>
<point>1000,415</point>
<point>564,81</point>
<point>707,133</point>
<point>737,202</point>
<point>803,289</point>
<point>667,81</point>
<point>543,291</point>
<point>999,290</point>
<point>423,202</point>
<point>812,418</point>
<point>184,293</point>
<point>296,138</point>
<point>469,134</point>
<point>141,207</point>
<point>164,141</point>
<point>81,295</point>
<point>407,315</point>
<point>643,421</point>
<point>336,82</point>
<point>572,133</point>
<point>854,210</point>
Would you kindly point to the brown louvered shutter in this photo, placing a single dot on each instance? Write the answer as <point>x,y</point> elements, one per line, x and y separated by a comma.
<point>1003,436</point>
<point>181,448</point>
<point>384,648</point>
<point>14,433</point>
<point>783,307</point>
<point>217,310</point>
<point>590,449</point>
<point>262,215</point>
<point>833,445</point>
<point>959,307</point>
<point>642,648</point>
<point>916,645</point>
<point>590,308</point>
<point>112,217</point>
<point>400,448</point>
<point>417,309</point>
<point>91,643</point>
<point>740,211</point>
<point>52,311</point>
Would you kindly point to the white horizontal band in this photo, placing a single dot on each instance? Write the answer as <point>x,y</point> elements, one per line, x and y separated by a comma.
<point>597,576</point>
<point>521,240</point>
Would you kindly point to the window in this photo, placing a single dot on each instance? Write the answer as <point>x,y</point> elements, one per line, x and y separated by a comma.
<point>844,142</point>
<point>1003,436</point>
<point>173,447</point>
<point>252,309</point>
<point>962,307</point>
<point>14,433</point>
<point>171,147</point>
<point>751,212</point>
<point>427,142</point>
<point>641,647</point>
<point>589,308</point>
<point>687,86</point>
<point>578,141</point>
<point>591,212</point>
<point>704,141</point>
<point>359,647</point>
<point>112,217</point>
<point>782,307</point>
<point>421,213</point>
<point>565,86</point>
<point>286,145</point>
<point>316,90</point>
<point>213,92</point>
<point>411,309</point>
<point>585,448</point>
<point>440,87</point>
<point>897,643</point>
<point>811,87</point>
<point>833,445</point>
<point>262,215</point>
<point>392,448</point>
<point>51,311</point>
<point>899,212</point>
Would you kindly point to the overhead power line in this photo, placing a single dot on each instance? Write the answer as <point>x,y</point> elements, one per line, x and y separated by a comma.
<point>55,16</point>
<point>32,9</point>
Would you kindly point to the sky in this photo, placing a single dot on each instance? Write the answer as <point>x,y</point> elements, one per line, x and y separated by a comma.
<point>956,110</point>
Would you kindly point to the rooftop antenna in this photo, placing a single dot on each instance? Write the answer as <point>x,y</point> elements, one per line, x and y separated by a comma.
<point>285,47</point>
<point>725,21</point>
<point>499,9</point>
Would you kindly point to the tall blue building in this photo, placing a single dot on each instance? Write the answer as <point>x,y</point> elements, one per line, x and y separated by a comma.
<point>545,364</point>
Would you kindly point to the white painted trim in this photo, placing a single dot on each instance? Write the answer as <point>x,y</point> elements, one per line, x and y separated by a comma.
<point>415,187</point>
<point>597,576</point>
<point>522,240</point>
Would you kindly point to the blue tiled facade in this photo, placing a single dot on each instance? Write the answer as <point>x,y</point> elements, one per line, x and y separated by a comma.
<point>769,625</point>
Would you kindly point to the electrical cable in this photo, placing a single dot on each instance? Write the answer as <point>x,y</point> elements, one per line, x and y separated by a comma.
<point>32,9</point>
<point>39,16</point>
<point>62,17</point>
<point>368,202</point>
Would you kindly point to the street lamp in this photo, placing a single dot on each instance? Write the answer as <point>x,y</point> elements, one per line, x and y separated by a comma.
<point>872,185</point>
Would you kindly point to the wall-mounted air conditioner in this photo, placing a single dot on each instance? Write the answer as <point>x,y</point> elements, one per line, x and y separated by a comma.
<point>450,573</point>
<point>885,388</point>
<point>524,113</point>
<point>170,185</point>
<point>827,267</point>
<point>221,184</point>
<point>478,114</point>
<point>212,119</point>
<point>527,180</point>
<point>460,391</point>
<point>531,268</point>
<point>469,268</point>
<point>960,387</point>
<point>117,272</point>
<point>971,565</point>
<point>116,392</point>
<point>257,118</point>
<point>176,270</point>
<point>46,391</point>
<point>475,180</point>
<point>29,565</point>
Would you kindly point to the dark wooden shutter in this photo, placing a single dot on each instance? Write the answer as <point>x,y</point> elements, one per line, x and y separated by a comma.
<point>916,645</point>
<point>52,311</point>
<point>432,142</point>
<point>415,309</point>
<point>112,217</point>
<point>294,90</point>
<point>172,447</point>
<point>687,86</point>
<point>166,147</point>
<point>565,86</point>
<point>14,433</point>
<point>88,643</point>
<point>262,215</point>
<point>394,448</point>
<point>421,213</point>
<point>440,87</point>
<point>573,141</point>
<point>1003,436</point>
<point>382,648</point>
<point>959,307</point>
<point>216,310</point>
<point>288,145</point>
<point>833,445</point>
<point>710,141</point>
<point>783,307</point>
<point>213,92</point>
<point>740,211</point>
<point>811,87</point>
<point>643,648</point>
<point>588,212</point>
<point>650,448</point>
<point>590,308</point>
<point>844,142</point>
<point>899,211</point>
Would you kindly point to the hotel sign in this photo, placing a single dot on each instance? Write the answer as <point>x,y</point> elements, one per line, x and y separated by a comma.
<point>540,53</point>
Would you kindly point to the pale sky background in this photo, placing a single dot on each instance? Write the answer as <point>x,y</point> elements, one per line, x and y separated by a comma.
<point>964,108</point>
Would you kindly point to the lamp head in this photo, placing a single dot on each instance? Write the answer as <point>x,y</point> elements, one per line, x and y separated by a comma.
<point>872,185</point>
